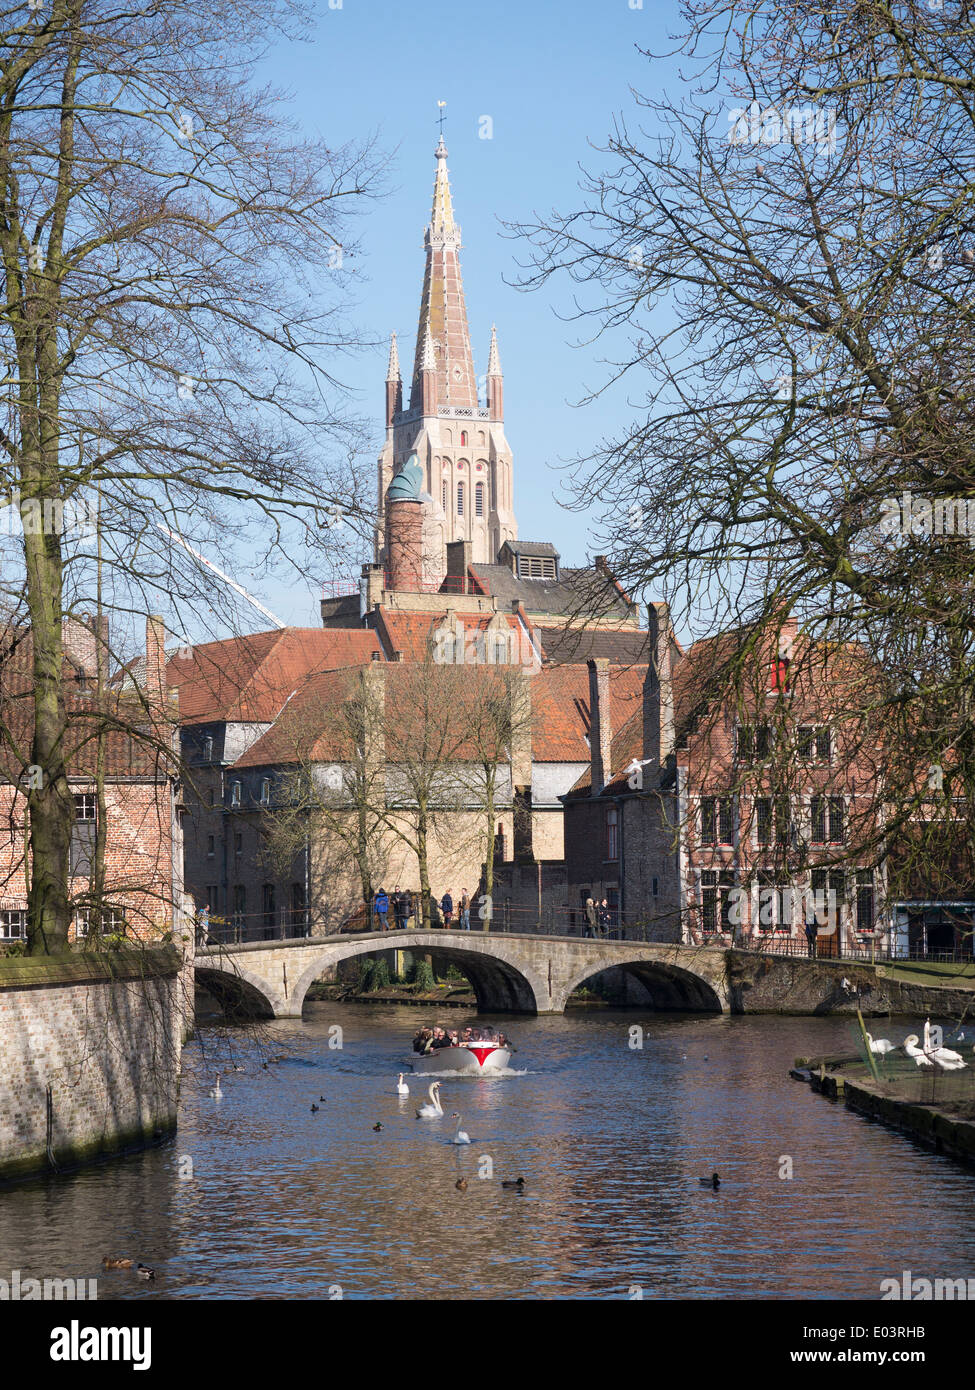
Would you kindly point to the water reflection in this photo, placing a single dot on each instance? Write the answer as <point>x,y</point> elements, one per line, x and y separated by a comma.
<point>283,1203</point>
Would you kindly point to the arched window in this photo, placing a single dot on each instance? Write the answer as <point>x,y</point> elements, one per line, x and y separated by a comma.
<point>463,436</point>
<point>445,494</point>
<point>460,499</point>
<point>479,499</point>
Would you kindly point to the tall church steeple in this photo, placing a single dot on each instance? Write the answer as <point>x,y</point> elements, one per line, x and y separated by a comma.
<point>459,444</point>
<point>442,309</point>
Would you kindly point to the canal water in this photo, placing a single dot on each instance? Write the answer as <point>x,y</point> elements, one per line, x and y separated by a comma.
<point>259,1197</point>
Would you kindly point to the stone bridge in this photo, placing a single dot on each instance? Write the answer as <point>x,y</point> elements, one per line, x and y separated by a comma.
<point>508,973</point>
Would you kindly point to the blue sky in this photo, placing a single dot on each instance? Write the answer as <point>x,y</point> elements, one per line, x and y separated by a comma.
<point>550,76</point>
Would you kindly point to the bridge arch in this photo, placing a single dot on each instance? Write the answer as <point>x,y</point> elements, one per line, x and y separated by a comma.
<point>671,987</point>
<point>499,979</point>
<point>240,993</point>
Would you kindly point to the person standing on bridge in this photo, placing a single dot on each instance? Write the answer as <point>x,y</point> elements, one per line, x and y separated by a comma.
<point>381,906</point>
<point>591,918</point>
<point>447,908</point>
<point>400,906</point>
<point>465,911</point>
<point>812,933</point>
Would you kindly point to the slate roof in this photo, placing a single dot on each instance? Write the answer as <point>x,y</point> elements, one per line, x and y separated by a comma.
<point>576,594</point>
<point>576,644</point>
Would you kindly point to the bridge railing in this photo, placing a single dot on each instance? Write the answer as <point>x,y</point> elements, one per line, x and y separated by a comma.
<point>297,924</point>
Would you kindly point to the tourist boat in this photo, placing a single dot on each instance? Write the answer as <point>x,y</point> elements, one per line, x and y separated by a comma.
<point>470,1058</point>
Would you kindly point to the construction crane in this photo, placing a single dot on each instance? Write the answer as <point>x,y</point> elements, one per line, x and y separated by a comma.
<point>173,536</point>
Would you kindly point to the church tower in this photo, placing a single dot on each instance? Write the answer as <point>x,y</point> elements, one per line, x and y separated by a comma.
<point>459,443</point>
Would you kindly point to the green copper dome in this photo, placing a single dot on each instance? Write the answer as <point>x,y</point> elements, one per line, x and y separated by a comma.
<point>407,482</point>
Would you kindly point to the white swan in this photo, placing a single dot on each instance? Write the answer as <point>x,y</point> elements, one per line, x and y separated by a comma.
<point>434,1110</point>
<point>880,1045</point>
<point>945,1058</point>
<point>460,1136</point>
<point>912,1050</point>
<point>401,1087</point>
<point>948,1060</point>
<point>216,1092</point>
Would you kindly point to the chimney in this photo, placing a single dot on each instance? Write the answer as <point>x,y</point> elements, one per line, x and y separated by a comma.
<point>658,688</point>
<point>520,697</point>
<point>155,682</point>
<point>460,557</point>
<point>370,588</point>
<point>79,637</point>
<point>374,713</point>
<point>600,723</point>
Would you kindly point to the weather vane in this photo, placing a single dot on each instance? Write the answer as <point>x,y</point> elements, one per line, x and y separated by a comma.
<point>442,105</point>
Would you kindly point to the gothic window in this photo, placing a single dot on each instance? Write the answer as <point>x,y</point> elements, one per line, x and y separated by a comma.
<point>463,437</point>
<point>479,499</point>
<point>460,499</point>
<point>445,494</point>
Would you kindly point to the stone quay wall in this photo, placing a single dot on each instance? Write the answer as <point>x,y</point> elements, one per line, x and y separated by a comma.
<point>90,1047</point>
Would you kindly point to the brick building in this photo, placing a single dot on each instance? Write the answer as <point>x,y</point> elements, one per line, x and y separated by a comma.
<point>707,819</point>
<point>143,880</point>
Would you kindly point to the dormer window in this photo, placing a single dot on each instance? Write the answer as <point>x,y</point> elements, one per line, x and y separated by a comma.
<point>536,567</point>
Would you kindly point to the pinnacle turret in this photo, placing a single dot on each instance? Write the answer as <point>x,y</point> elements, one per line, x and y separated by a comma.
<point>393,371</point>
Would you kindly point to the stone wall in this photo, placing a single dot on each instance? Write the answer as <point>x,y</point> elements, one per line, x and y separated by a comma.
<point>91,1049</point>
<point>792,985</point>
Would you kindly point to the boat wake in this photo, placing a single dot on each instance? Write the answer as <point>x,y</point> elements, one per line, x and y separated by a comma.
<point>498,1071</point>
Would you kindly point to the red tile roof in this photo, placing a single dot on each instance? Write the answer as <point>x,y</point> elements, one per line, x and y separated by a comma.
<point>248,679</point>
<point>412,634</point>
<point>560,709</point>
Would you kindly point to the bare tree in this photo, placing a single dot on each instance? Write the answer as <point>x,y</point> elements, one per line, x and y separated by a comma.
<point>787,258</point>
<point>173,311</point>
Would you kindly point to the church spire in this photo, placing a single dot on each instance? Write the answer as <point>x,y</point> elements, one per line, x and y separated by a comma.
<point>394,383</point>
<point>495,384</point>
<point>393,373</point>
<point>443,312</point>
